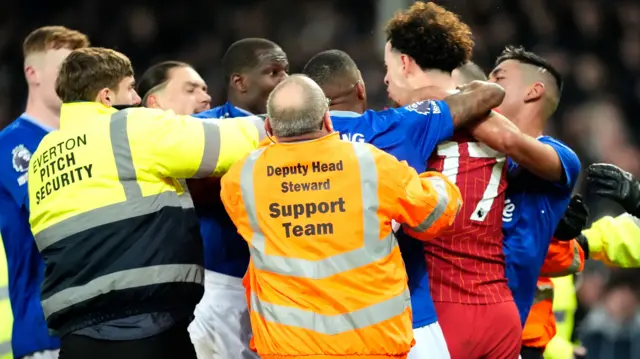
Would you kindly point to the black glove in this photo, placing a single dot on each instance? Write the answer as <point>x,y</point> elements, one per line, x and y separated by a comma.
<point>574,220</point>
<point>612,182</point>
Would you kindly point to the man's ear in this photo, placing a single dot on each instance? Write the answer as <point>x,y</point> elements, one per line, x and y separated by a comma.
<point>106,97</point>
<point>360,91</point>
<point>534,92</point>
<point>31,75</point>
<point>239,82</point>
<point>327,122</point>
<point>267,126</point>
<point>152,101</point>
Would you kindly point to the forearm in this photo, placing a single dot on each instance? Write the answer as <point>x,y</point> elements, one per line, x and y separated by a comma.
<point>474,102</point>
<point>496,131</point>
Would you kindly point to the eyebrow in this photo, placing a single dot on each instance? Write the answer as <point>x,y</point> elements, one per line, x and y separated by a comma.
<point>497,71</point>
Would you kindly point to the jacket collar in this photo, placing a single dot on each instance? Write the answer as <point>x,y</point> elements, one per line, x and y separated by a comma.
<point>80,114</point>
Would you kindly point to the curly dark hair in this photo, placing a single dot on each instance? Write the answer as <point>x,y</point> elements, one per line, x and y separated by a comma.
<point>434,37</point>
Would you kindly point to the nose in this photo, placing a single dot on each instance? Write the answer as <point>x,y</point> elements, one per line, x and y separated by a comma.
<point>386,80</point>
<point>136,98</point>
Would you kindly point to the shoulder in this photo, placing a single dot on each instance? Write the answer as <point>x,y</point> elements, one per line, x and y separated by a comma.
<point>17,145</point>
<point>570,160</point>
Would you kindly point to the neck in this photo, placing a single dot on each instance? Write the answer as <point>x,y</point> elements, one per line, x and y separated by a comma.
<point>239,103</point>
<point>306,137</point>
<point>530,122</point>
<point>432,78</point>
<point>350,106</point>
<point>41,112</point>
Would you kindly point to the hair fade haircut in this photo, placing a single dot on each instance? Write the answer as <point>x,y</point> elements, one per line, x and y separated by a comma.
<point>434,37</point>
<point>87,71</point>
<point>518,53</point>
<point>53,38</point>
<point>241,55</point>
<point>155,77</point>
<point>329,66</point>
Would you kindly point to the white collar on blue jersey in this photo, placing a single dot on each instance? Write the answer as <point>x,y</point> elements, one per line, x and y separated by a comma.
<point>338,113</point>
<point>33,120</point>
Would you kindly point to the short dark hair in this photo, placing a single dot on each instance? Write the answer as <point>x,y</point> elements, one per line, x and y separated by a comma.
<point>88,70</point>
<point>518,53</point>
<point>155,76</point>
<point>329,66</point>
<point>434,37</point>
<point>241,55</point>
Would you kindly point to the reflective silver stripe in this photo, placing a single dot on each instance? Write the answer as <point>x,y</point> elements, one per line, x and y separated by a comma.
<point>332,324</point>
<point>105,215</point>
<point>122,155</point>
<point>5,348</point>
<point>440,186</point>
<point>543,292</point>
<point>4,293</point>
<point>185,197</point>
<point>373,249</point>
<point>126,279</point>
<point>571,269</point>
<point>212,143</point>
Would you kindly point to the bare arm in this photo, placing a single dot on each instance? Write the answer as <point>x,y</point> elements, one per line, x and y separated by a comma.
<point>503,136</point>
<point>474,101</point>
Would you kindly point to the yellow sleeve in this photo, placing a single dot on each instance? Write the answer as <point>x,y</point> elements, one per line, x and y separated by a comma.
<point>186,147</point>
<point>615,241</point>
<point>559,348</point>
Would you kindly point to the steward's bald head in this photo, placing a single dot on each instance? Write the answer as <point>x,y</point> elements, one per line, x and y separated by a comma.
<point>296,107</point>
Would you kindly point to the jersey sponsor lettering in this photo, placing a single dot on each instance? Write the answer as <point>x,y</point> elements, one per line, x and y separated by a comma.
<point>57,167</point>
<point>509,209</point>
<point>305,210</point>
<point>352,137</point>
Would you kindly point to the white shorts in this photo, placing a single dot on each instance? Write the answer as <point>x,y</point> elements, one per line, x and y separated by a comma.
<point>430,343</point>
<point>45,354</point>
<point>221,328</point>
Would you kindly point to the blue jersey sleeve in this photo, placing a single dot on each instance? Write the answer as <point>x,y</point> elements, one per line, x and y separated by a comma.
<point>14,165</point>
<point>427,123</point>
<point>570,162</point>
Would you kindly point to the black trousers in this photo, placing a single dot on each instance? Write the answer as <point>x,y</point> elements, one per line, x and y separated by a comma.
<point>171,344</point>
<point>531,353</point>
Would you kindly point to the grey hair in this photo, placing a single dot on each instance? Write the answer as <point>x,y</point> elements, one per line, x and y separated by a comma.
<point>301,116</point>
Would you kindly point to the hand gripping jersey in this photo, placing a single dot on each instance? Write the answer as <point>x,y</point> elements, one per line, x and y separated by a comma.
<point>466,264</point>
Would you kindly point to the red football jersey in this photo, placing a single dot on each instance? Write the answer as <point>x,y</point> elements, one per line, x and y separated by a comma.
<point>466,264</point>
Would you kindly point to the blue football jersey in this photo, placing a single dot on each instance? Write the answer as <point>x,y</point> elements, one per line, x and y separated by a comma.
<point>224,249</point>
<point>411,134</point>
<point>533,208</point>
<point>26,267</point>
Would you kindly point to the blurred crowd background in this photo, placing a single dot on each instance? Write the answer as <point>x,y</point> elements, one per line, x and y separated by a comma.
<point>594,43</point>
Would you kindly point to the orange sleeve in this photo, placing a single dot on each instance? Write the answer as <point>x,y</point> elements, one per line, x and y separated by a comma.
<point>426,204</point>
<point>563,258</point>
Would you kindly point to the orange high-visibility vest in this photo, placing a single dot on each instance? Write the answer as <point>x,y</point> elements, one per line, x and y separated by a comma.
<point>326,277</point>
<point>563,258</point>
